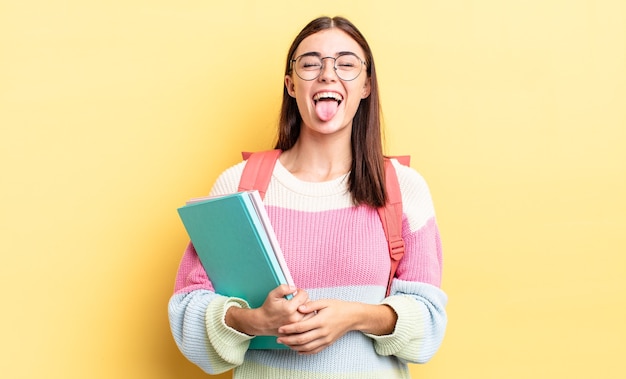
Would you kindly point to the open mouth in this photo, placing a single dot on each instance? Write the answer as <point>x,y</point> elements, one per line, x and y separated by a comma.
<point>328,96</point>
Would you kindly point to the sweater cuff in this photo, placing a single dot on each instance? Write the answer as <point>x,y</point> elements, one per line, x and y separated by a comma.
<point>407,323</point>
<point>230,343</point>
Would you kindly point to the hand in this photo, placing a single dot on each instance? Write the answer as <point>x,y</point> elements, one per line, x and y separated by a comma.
<point>275,311</point>
<point>326,321</point>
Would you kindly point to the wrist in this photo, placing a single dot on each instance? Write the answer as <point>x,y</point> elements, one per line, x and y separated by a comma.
<point>239,318</point>
<point>376,319</point>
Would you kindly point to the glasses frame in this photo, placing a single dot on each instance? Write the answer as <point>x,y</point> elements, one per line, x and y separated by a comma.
<point>293,68</point>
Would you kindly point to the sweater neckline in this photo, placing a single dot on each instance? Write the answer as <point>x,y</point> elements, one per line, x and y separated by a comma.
<point>335,186</point>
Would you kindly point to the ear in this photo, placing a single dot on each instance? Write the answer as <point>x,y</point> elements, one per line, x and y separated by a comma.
<point>367,88</point>
<point>290,86</point>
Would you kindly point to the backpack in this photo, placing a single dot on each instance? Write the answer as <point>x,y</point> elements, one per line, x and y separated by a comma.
<point>257,174</point>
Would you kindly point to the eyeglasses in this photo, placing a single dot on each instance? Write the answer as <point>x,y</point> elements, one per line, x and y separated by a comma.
<point>309,66</point>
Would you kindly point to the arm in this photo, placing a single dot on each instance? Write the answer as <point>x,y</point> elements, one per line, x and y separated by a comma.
<point>214,331</point>
<point>421,323</point>
<point>416,295</point>
<point>196,315</point>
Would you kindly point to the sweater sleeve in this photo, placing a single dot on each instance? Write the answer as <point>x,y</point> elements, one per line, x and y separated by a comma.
<point>197,314</point>
<point>416,296</point>
<point>421,322</point>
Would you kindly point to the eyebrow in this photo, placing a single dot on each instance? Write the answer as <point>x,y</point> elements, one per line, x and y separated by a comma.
<point>317,54</point>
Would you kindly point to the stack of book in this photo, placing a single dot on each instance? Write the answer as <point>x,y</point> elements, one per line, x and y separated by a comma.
<point>238,249</point>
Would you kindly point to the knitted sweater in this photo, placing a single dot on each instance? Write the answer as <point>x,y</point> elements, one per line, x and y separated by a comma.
<point>334,250</point>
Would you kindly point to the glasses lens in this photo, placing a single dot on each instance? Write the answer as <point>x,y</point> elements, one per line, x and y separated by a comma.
<point>308,67</point>
<point>348,66</point>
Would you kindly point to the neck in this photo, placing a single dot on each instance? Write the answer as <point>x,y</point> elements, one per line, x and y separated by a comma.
<point>315,163</point>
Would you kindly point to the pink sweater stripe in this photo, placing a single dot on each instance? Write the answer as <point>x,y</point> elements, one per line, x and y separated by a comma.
<point>337,248</point>
<point>343,247</point>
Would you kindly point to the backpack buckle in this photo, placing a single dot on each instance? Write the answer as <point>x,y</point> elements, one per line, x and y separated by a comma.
<point>396,249</point>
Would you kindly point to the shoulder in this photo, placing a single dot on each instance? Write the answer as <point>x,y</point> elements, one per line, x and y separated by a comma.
<point>228,180</point>
<point>417,201</point>
<point>408,176</point>
<point>412,183</point>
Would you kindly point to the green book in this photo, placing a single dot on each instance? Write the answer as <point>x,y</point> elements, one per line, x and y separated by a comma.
<point>238,249</point>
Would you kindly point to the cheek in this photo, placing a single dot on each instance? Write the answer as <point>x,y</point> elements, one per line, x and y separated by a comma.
<point>358,93</point>
<point>301,96</point>
<point>359,89</point>
<point>303,102</point>
<point>299,90</point>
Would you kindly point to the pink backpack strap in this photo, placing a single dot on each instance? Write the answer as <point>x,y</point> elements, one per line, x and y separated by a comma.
<point>257,172</point>
<point>391,218</point>
<point>404,159</point>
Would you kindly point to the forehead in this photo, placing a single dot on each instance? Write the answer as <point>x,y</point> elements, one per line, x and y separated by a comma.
<point>329,42</point>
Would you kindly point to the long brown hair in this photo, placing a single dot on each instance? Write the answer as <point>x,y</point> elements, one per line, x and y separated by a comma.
<point>367,180</point>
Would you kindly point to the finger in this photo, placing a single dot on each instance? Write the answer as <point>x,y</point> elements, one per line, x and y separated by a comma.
<point>312,306</point>
<point>301,296</point>
<point>283,290</point>
<point>313,351</point>
<point>307,316</point>
<point>297,341</point>
<point>304,325</point>
<point>307,347</point>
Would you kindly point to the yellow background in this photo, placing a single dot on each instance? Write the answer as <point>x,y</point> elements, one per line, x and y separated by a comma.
<point>113,113</point>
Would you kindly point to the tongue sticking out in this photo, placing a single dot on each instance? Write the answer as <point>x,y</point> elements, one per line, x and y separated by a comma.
<point>326,109</point>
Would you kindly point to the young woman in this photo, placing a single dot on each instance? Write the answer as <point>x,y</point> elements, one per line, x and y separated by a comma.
<point>322,202</point>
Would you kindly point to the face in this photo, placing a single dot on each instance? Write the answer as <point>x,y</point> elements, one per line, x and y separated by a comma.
<point>327,104</point>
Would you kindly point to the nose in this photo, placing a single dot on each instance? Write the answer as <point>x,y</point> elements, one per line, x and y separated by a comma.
<point>328,70</point>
